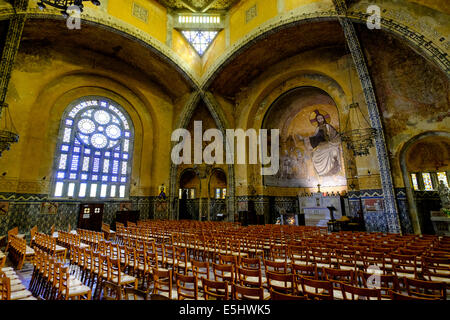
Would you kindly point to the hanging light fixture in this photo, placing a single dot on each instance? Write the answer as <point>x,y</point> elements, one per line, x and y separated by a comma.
<point>8,133</point>
<point>360,139</point>
<point>63,5</point>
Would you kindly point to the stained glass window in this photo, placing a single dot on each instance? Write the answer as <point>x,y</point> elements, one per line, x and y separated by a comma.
<point>200,40</point>
<point>92,131</point>
<point>414,182</point>
<point>442,176</point>
<point>427,181</point>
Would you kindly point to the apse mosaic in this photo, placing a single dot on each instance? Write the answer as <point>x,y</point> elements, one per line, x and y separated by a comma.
<point>310,147</point>
<point>94,152</point>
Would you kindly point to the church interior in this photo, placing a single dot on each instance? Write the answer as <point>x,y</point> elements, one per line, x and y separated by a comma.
<point>348,99</point>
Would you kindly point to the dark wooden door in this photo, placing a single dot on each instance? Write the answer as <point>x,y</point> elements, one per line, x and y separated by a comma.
<point>91,216</point>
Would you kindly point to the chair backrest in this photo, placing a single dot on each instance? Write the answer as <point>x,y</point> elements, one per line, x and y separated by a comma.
<point>5,287</point>
<point>223,272</point>
<point>215,290</point>
<point>316,289</point>
<point>337,276</point>
<point>283,283</point>
<point>246,293</point>
<point>426,289</point>
<point>307,271</point>
<point>275,266</point>
<point>250,263</point>
<point>228,259</point>
<point>187,287</point>
<point>274,295</point>
<point>350,292</point>
<point>200,269</point>
<point>134,294</point>
<point>111,291</point>
<point>399,296</point>
<point>436,266</point>
<point>162,280</point>
<point>384,282</point>
<point>249,277</point>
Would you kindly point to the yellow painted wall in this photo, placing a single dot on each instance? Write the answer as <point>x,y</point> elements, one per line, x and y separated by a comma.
<point>185,51</point>
<point>214,51</point>
<point>157,16</point>
<point>292,4</point>
<point>266,9</point>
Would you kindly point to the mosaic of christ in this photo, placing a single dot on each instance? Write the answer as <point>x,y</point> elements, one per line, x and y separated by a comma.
<point>310,146</point>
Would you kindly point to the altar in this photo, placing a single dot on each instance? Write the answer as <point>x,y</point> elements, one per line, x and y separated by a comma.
<point>316,208</point>
<point>441,223</point>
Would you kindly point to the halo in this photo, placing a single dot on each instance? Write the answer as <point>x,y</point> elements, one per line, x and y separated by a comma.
<point>315,113</point>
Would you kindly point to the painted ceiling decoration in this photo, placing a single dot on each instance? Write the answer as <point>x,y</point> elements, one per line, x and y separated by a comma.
<point>199,6</point>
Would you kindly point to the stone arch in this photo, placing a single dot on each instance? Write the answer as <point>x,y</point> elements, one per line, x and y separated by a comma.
<point>414,214</point>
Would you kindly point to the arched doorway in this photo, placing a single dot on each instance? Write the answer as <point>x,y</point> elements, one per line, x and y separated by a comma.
<point>189,192</point>
<point>425,161</point>
<point>217,194</point>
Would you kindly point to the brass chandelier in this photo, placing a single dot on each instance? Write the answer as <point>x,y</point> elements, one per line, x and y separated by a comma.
<point>360,139</point>
<point>8,133</point>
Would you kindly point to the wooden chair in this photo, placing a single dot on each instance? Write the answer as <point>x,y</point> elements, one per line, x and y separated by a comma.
<point>245,293</point>
<point>404,265</point>
<point>436,268</point>
<point>350,292</point>
<point>135,294</point>
<point>283,283</point>
<point>116,276</point>
<point>181,262</point>
<point>399,296</point>
<point>162,282</point>
<point>274,295</point>
<point>8,292</point>
<point>316,289</point>
<point>168,255</point>
<point>111,291</point>
<point>141,265</point>
<point>223,272</point>
<point>187,287</point>
<point>67,292</point>
<point>426,289</point>
<point>215,290</point>
<point>307,271</point>
<point>386,283</point>
<point>250,277</point>
<point>250,263</point>
<point>274,266</point>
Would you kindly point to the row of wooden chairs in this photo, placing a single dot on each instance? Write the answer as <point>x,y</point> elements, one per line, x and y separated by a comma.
<point>11,287</point>
<point>18,251</point>
<point>51,279</point>
<point>90,237</point>
<point>94,268</point>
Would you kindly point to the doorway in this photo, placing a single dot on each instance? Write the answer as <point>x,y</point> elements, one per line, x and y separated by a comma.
<point>91,216</point>
<point>189,193</point>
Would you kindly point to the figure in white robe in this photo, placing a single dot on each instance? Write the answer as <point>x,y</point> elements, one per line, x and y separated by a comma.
<point>325,147</point>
